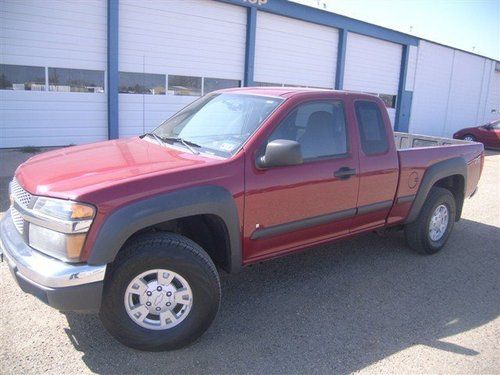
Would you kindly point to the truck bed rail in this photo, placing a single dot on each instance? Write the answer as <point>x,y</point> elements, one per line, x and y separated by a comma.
<point>407,140</point>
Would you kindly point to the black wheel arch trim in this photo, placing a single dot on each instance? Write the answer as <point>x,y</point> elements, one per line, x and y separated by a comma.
<point>201,200</point>
<point>436,172</point>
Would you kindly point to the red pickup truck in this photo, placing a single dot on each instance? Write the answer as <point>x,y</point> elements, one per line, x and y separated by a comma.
<point>135,229</point>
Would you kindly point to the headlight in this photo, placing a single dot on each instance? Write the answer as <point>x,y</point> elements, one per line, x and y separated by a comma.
<point>63,210</point>
<point>59,227</point>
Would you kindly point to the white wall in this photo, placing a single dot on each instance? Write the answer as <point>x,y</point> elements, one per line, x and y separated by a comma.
<point>372,65</point>
<point>289,51</point>
<point>66,34</point>
<point>199,38</point>
<point>452,90</point>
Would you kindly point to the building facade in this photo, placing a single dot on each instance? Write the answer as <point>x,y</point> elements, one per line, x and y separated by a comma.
<point>74,72</point>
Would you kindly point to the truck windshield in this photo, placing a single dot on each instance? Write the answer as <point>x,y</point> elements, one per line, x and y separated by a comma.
<point>218,123</point>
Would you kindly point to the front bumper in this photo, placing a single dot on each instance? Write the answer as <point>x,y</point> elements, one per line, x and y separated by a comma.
<point>64,286</point>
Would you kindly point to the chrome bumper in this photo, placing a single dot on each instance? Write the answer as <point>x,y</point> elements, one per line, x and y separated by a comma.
<point>65,286</point>
<point>42,269</point>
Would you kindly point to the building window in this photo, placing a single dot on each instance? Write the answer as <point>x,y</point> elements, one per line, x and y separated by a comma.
<point>212,84</point>
<point>184,85</point>
<point>267,84</point>
<point>76,80</point>
<point>371,128</point>
<point>389,100</point>
<point>20,77</point>
<point>142,83</point>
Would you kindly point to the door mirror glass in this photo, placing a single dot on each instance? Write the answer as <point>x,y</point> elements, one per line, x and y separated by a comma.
<point>281,153</point>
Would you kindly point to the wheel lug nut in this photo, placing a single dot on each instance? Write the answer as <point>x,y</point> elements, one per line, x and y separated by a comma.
<point>148,293</point>
<point>148,303</point>
<point>169,294</point>
<point>168,303</point>
<point>158,308</point>
<point>159,289</point>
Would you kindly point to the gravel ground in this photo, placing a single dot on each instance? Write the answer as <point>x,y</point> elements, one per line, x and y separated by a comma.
<point>366,305</point>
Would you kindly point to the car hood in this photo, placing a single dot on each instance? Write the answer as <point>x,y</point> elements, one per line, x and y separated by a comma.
<point>73,171</point>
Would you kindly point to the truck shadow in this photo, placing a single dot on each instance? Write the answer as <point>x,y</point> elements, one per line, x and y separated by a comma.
<point>338,308</point>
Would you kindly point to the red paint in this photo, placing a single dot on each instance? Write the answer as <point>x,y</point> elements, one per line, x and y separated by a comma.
<point>488,134</point>
<point>112,174</point>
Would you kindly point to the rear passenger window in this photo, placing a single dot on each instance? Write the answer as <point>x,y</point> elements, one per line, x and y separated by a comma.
<point>371,128</point>
<point>319,127</point>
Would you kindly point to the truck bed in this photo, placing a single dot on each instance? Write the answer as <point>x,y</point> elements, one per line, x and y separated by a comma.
<point>416,153</point>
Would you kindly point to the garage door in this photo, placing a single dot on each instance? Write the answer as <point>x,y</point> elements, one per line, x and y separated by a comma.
<point>173,52</point>
<point>373,65</point>
<point>294,53</point>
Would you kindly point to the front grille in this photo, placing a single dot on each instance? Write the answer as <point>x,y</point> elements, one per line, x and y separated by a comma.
<point>17,219</point>
<point>20,195</point>
<point>23,198</point>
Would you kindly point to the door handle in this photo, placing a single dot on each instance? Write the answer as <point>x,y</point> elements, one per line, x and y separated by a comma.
<point>344,173</point>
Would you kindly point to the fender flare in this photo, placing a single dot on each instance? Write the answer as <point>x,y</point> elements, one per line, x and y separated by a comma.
<point>436,172</point>
<point>127,220</point>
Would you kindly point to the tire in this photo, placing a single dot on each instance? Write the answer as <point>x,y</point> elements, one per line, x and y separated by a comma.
<point>418,235</point>
<point>469,137</point>
<point>125,289</point>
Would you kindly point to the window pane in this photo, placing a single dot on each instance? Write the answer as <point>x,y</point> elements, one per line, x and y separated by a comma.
<point>141,83</point>
<point>371,128</point>
<point>20,77</point>
<point>389,100</point>
<point>266,84</point>
<point>76,80</point>
<point>184,85</point>
<point>319,127</point>
<point>212,84</point>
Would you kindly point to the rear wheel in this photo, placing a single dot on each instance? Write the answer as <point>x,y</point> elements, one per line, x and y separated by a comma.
<point>430,231</point>
<point>469,137</point>
<point>161,293</point>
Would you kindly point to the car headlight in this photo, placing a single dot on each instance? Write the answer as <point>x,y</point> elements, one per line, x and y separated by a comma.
<point>59,227</point>
<point>63,210</point>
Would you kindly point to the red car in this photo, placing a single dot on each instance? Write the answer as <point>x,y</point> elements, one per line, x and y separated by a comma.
<point>135,228</point>
<point>488,134</point>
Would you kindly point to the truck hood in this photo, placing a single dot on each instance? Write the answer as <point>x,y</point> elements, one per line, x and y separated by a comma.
<point>73,171</point>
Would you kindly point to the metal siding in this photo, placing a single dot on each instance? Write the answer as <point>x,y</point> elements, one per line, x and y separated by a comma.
<point>194,38</point>
<point>372,65</point>
<point>451,90</point>
<point>430,96</point>
<point>66,34</point>
<point>294,52</point>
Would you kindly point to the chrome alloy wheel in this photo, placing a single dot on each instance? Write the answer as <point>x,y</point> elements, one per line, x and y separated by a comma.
<point>158,299</point>
<point>469,138</point>
<point>438,223</point>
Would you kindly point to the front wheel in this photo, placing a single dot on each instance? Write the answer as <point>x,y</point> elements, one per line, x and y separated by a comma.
<point>469,137</point>
<point>161,293</point>
<point>430,231</point>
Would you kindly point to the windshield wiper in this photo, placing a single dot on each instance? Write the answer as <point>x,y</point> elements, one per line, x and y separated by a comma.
<point>155,136</point>
<point>185,142</point>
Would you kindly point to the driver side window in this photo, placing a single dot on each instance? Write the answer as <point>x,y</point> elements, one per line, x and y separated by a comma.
<point>319,127</point>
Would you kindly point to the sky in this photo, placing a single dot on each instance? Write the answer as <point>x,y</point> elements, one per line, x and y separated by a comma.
<point>471,25</point>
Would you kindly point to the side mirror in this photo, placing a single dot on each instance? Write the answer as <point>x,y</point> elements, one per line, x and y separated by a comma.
<point>488,127</point>
<point>281,153</point>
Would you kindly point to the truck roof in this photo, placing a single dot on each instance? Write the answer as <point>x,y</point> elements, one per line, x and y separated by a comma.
<point>287,92</point>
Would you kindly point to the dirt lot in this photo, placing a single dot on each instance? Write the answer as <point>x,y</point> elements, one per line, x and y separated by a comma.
<point>366,305</point>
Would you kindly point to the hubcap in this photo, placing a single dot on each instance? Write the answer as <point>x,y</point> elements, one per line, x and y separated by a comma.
<point>439,223</point>
<point>158,299</point>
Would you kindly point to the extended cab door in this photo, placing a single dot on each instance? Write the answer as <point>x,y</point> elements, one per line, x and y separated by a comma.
<point>378,164</point>
<point>289,207</point>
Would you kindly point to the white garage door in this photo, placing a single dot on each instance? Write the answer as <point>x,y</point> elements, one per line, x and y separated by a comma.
<point>373,66</point>
<point>52,63</point>
<point>173,52</point>
<point>292,52</point>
